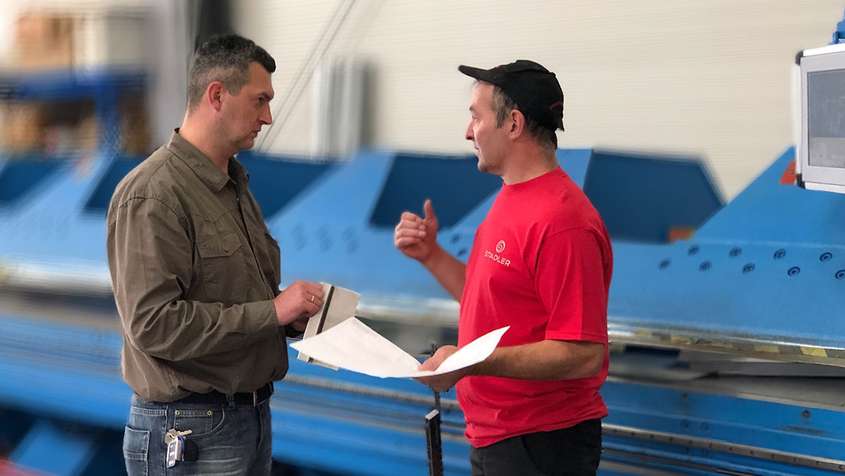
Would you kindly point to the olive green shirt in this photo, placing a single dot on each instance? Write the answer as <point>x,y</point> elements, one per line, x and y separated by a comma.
<point>194,271</point>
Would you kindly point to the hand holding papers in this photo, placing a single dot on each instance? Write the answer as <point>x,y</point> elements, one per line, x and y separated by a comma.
<point>354,346</point>
<point>338,305</point>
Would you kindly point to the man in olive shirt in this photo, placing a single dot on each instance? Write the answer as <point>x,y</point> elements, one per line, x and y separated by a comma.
<point>195,275</point>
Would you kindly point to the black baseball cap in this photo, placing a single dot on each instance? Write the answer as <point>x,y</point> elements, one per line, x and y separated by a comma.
<point>532,87</point>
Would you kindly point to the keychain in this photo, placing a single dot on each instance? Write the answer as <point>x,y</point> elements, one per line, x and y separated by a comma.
<point>179,448</point>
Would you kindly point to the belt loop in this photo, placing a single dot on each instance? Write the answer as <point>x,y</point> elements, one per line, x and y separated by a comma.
<point>255,399</point>
<point>230,400</point>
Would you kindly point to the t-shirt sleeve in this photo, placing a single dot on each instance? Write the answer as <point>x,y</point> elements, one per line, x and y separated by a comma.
<point>570,281</point>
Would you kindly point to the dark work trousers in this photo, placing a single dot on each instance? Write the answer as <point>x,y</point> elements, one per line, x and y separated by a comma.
<point>573,451</point>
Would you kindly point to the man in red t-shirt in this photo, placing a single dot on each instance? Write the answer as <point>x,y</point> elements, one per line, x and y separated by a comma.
<point>541,263</point>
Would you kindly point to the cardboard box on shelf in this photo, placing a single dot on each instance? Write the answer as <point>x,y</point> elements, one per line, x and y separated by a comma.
<point>64,124</point>
<point>88,37</point>
<point>55,127</point>
<point>59,127</point>
<point>22,127</point>
<point>42,41</point>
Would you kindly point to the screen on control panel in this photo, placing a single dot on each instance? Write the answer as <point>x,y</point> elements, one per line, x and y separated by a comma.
<point>826,118</point>
<point>821,148</point>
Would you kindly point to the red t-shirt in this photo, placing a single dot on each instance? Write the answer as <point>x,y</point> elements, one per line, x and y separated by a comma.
<point>541,263</point>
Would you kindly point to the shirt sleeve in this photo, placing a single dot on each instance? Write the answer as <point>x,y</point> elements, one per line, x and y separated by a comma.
<point>151,264</point>
<point>570,282</point>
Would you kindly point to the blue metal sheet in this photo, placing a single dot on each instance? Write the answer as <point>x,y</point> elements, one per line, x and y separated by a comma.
<point>414,178</point>
<point>98,201</point>
<point>276,182</point>
<point>355,424</point>
<point>53,450</point>
<point>50,226</point>
<point>723,429</point>
<point>321,418</point>
<point>706,290</point>
<point>644,198</point>
<point>768,211</point>
<point>325,234</point>
<point>19,175</point>
<point>770,267</point>
<point>710,287</point>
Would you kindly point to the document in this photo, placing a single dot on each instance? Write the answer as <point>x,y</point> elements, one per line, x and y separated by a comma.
<point>353,346</point>
<point>338,305</point>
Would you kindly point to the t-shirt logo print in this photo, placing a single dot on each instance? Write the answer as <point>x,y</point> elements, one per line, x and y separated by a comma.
<point>497,257</point>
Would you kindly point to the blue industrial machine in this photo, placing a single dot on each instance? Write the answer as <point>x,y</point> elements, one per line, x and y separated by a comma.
<point>727,341</point>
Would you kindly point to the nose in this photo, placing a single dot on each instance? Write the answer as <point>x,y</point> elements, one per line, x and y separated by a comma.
<point>468,135</point>
<point>266,116</point>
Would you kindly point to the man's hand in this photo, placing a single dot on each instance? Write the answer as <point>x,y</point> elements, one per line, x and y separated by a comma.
<point>298,301</point>
<point>417,237</point>
<point>444,382</point>
<point>300,324</point>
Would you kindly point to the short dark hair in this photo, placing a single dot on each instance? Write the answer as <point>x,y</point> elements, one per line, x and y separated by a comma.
<point>226,59</point>
<point>503,105</point>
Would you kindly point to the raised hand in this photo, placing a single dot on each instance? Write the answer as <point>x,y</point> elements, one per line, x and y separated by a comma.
<point>417,237</point>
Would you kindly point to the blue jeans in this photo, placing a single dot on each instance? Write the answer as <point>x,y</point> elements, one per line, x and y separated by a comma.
<point>232,440</point>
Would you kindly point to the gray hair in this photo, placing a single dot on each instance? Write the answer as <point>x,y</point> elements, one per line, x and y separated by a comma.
<point>503,105</point>
<point>225,59</point>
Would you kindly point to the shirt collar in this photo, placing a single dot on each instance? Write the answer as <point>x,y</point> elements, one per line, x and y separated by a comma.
<point>203,167</point>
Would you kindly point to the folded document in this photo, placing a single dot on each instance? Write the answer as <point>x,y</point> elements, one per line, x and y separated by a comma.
<point>353,346</point>
<point>339,304</point>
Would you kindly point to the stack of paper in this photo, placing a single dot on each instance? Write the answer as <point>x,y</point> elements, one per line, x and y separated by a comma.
<point>353,346</point>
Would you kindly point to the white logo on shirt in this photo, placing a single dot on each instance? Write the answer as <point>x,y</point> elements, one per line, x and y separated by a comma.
<point>497,257</point>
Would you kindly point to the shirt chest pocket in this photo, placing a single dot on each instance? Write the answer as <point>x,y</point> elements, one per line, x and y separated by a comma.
<point>215,246</point>
<point>220,260</point>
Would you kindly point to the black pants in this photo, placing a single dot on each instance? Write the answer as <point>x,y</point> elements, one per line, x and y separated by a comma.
<point>570,451</point>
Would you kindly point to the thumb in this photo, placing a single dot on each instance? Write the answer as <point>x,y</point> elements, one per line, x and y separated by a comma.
<point>428,208</point>
<point>429,364</point>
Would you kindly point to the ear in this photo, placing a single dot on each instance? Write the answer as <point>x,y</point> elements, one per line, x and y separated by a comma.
<point>214,95</point>
<point>517,124</point>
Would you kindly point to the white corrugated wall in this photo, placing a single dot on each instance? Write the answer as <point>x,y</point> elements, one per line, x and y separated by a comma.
<point>708,78</point>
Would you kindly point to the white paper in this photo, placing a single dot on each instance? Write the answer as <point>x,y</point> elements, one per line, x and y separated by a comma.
<point>342,304</point>
<point>353,346</point>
